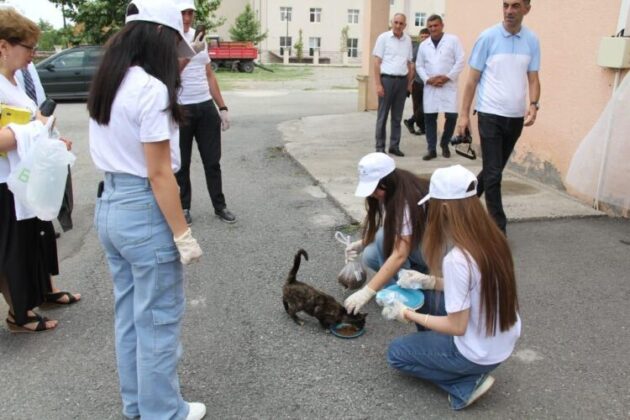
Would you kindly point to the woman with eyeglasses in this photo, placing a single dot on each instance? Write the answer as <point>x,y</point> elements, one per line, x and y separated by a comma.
<point>28,249</point>
<point>393,227</point>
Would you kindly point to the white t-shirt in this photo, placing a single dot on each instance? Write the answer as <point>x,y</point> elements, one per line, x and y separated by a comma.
<point>13,95</point>
<point>195,87</point>
<point>462,287</point>
<point>139,115</point>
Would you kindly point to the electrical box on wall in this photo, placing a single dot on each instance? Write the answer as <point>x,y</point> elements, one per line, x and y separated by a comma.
<point>614,52</point>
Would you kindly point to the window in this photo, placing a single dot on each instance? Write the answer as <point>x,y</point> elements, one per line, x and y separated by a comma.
<point>72,59</point>
<point>391,2</point>
<point>421,19</point>
<point>314,43</point>
<point>285,42</point>
<point>285,13</point>
<point>316,14</point>
<point>353,15</point>
<point>93,57</point>
<point>353,47</point>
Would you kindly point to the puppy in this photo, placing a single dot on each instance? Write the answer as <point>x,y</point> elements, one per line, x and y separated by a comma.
<point>298,296</point>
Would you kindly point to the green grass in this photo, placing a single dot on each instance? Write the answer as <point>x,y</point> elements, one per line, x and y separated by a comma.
<point>232,79</point>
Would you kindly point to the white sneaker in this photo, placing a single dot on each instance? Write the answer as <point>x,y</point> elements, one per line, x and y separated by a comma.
<point>482,387</point>
<point>196,411</point>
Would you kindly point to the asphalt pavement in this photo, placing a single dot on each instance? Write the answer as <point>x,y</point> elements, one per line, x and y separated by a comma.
<point>245,358</point>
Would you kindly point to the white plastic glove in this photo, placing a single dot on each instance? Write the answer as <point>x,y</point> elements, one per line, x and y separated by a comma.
<point>395,310</point>
<point>353,250</point>
<point>189,249</point>
<point>411,279</point>
<point>225,120</point>
<point>357,300</point>
<point>198,43</point>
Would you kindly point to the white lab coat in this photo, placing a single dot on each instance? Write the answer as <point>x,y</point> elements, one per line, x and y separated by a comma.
<point>447,59</point>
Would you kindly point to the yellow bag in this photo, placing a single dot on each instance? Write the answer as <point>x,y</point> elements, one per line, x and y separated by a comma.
<point>13,114</point>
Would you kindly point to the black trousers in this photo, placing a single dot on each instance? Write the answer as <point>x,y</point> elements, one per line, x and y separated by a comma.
<point>204,125</point>
<point>498,137</point>
<point>417,94</point>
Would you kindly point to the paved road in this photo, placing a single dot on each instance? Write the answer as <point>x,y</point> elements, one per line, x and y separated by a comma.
<point>246,359</point>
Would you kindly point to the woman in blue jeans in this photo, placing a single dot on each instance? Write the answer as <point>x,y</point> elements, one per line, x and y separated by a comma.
<point>469,323</point>
<point>391,231</point>
<point>134,119</point>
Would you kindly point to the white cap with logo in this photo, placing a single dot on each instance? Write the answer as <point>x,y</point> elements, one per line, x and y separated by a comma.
<point>372,168</point>
<point>163,12</point>
<point>452,183</point>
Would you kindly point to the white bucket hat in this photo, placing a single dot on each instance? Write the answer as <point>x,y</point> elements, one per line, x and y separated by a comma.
<point>372,168</point>
<point>186,5</point>
<point>451,183</point>
<point>163,12</point>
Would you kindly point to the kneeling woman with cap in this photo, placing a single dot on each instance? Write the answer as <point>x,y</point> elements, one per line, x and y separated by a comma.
<point>139,219</point>
<point>391,230</point>
<point>475,324</point>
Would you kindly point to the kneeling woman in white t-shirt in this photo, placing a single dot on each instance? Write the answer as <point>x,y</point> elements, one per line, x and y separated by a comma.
<point>469,329</point>
<point>134,140</point>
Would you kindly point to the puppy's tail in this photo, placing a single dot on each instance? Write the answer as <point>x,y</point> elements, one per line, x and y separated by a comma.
<point>296,265</point>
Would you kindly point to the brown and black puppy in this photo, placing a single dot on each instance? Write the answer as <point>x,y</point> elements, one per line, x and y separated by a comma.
<point>298,296</point>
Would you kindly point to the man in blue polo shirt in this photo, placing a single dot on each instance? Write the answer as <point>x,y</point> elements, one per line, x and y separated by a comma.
<point>504,68</point>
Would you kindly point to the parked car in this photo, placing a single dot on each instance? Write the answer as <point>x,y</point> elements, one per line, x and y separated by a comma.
<point>67,74</point>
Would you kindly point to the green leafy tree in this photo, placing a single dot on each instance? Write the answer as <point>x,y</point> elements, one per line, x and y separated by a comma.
<point>97,20</point>
<point>247,27</point>
<point>51,36</point>
<point>343,44</point>
<point>299,47</point>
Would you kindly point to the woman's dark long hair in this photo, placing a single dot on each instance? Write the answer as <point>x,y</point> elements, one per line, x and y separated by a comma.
<point>466,224</point>
<point>402,190</point>
<point>144,44</point>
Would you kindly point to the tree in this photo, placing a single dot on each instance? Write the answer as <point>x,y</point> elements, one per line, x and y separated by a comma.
<point>299,47</point>
<point>247,27</point>
<point>343,44</point>
<point>97,20</point>
<point>50,36</point>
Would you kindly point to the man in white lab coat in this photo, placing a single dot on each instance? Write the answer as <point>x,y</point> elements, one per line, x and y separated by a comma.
<point>440,61</point>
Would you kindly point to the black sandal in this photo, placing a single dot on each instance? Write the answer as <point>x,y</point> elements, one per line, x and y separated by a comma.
<point>17,328</point>
<point>53,298</point>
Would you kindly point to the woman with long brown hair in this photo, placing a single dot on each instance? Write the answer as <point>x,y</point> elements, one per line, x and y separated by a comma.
<point>391,230</point>
<point>469,323</point>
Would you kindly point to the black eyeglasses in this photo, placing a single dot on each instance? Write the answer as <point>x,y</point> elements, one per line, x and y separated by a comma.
<point>31,48</point>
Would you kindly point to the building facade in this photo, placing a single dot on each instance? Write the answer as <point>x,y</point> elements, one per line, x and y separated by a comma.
<point>332,27</point>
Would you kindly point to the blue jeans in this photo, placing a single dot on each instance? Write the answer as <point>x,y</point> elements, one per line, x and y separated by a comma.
<point>434,357</point>
<point>374,257</point>
<point>148,295</point>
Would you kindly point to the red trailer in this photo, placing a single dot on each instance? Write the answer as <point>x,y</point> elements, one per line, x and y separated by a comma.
<point>234,55</point>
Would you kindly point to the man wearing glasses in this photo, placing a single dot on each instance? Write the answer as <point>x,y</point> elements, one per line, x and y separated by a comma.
<point>393,75</point>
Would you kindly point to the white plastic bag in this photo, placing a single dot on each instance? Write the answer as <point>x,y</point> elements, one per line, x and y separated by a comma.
<point>39,180</point>
<point>352,275</point>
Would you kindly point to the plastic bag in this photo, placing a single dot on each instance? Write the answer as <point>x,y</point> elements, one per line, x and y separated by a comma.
<point>352,275</point>
<point>39,181</point>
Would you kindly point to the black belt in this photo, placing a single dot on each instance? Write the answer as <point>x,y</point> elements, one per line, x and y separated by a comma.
<point>391,76</point>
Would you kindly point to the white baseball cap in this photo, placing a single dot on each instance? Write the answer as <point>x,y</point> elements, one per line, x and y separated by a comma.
<point>163,12</point>
<point>372,168</point>
<point>451,183</point>
<point>186,5</point>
